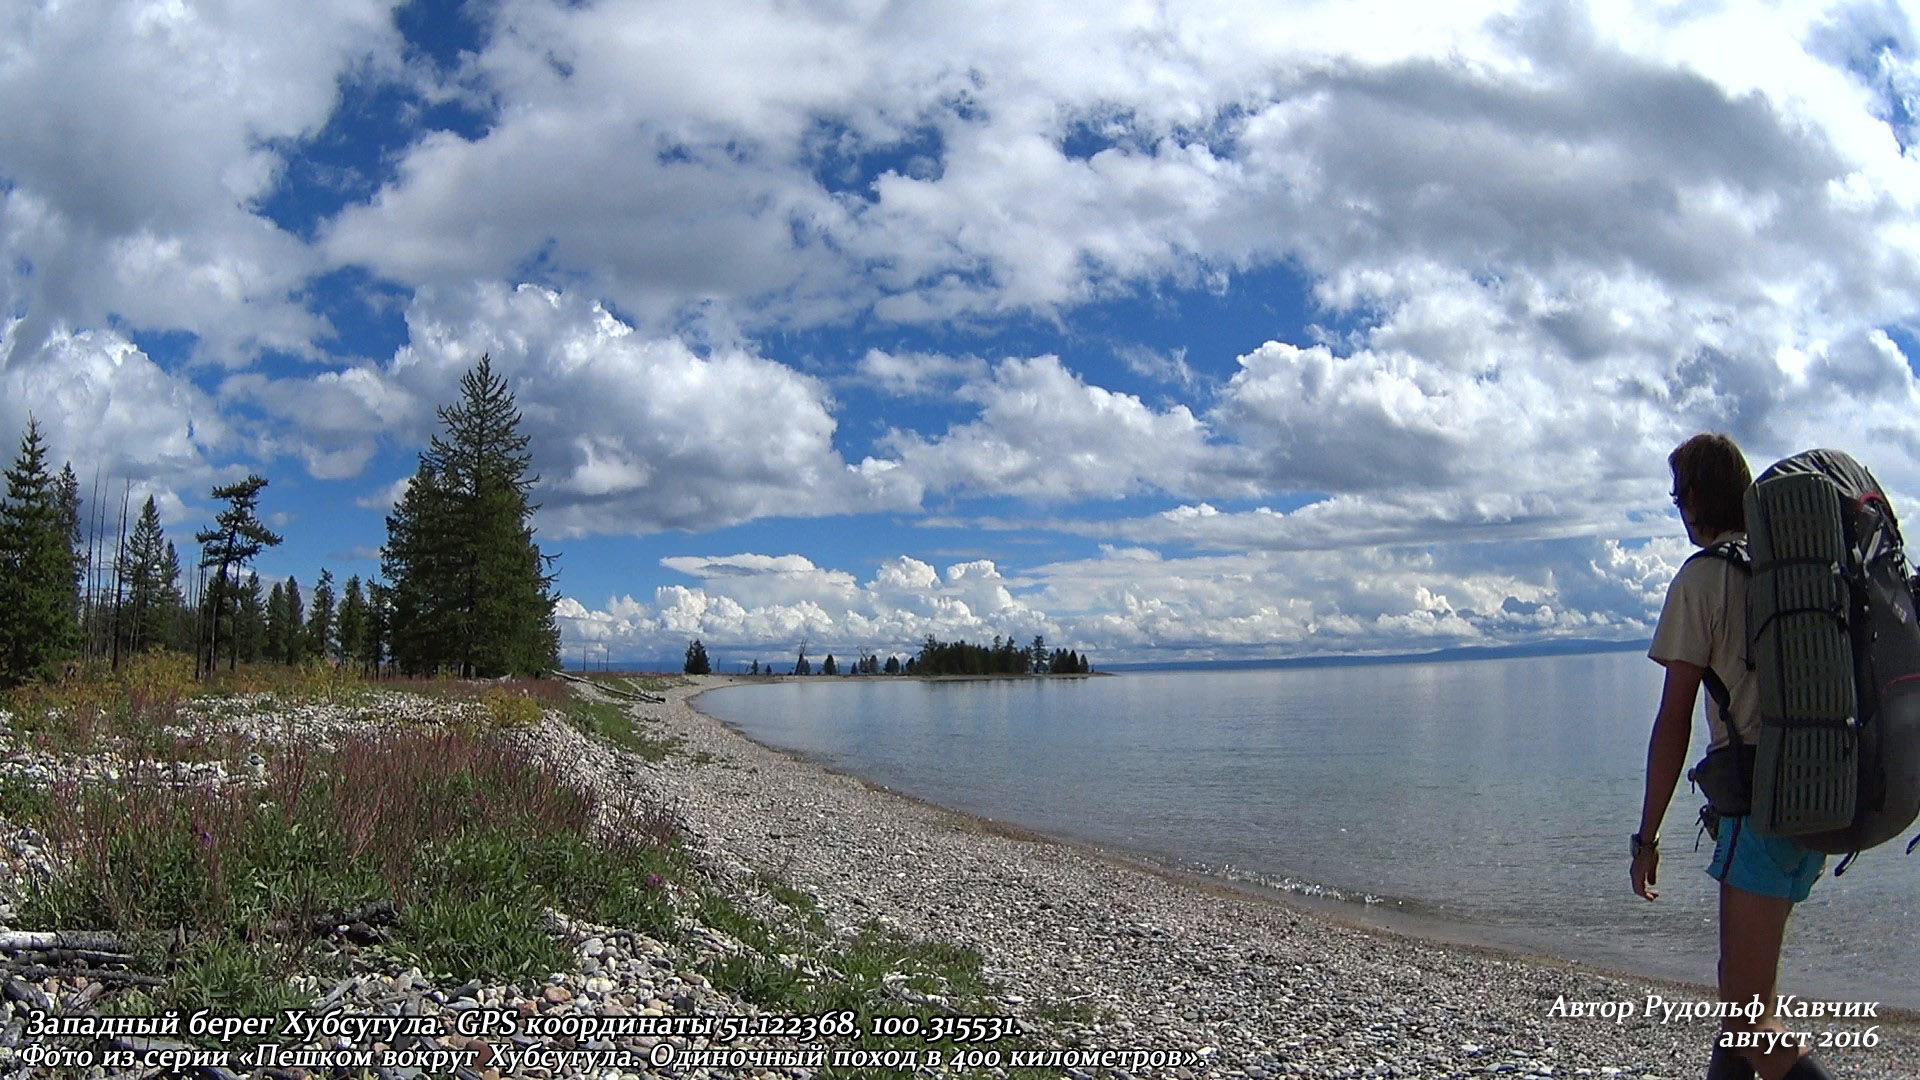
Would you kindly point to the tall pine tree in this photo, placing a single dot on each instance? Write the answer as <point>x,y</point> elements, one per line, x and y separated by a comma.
<point>374,645</point>
<point>351,622</point>
<point>174,619</point>
<point>320,620</point>
<point>143,567</point>
<point>36,569</point>
<point>294,644</point>
<point>274,644</point>
<point>67,489</point>
<point>249,622</point>
<point>237,536</point>
<point>471,591</point>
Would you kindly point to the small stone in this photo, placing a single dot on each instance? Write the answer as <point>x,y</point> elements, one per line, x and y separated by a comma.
<point>557,995</point>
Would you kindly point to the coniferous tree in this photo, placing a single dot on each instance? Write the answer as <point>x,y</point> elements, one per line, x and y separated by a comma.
<point>828,667</point>
<point>274,644</point>
<point>471,592</point>
<point>296,640</point>
<point>351,623</point>
<point>146,614</point>
<point>321,633</point>
<point>172,622</point>
<point>418,560</point>
<point>697,662</point>
<point>68,498</point>
<point>249,622</point>
<point>217,632</point>
<point>36,569</point>
<point>237,536</point>
<point>374,645</point>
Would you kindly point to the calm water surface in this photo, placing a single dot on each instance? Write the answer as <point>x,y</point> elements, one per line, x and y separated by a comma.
<point>1490,800</point>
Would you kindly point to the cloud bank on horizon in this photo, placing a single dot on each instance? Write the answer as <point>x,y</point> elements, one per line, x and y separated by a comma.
<point>1204,330</point>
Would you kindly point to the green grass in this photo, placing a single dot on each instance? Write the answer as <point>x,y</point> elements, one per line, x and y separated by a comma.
<point>22,801</point>
<point>470,838</point>
<point>614,724</point>
<point>787,895</point>
<point>856,974</point>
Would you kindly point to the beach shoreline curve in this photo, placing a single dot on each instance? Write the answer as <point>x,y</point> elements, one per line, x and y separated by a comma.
<point>1276,985</point>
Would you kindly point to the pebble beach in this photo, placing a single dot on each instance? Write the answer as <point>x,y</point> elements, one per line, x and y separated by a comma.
<point>1090,952</point>
<point>1262,988</point>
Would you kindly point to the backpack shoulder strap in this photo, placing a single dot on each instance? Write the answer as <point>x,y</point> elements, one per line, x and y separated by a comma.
<point>1733,552</point>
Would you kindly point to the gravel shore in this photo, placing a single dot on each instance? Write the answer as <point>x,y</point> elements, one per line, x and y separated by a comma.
<point>1090,952</point>
<point>1264,988</point>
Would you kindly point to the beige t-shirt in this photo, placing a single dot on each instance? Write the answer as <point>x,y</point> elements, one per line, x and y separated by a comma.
<point>1704,622</point>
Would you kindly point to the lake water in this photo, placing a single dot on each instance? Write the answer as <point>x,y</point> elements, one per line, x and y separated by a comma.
<point>1485,800</point>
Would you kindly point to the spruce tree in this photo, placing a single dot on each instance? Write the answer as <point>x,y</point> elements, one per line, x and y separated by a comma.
<point>274,644</point>
<point>249,622</point>
<point>321,631</point>
<point>471,590</point>
<point>294,645</point>
<point>237,536</point>
<point>36,569</point>
<point>697,662</point>
<point>418,560</point>
<point>143,564</point>
<point>350,624</point>
<point>67,489</point>
<point>172,622</point>
<point>373,646</point>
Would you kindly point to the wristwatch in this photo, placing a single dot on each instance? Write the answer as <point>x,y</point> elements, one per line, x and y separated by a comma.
<point>1640,845</point>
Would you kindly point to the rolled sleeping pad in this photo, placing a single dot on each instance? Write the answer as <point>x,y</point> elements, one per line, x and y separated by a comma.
<point>1836,649</point>
<point>1807,766</point>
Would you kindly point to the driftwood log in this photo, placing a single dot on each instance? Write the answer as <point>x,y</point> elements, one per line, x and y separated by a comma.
<point>19,941</point>
<point>630,695</point>
<point>36,972</point>
<point>89,957</point>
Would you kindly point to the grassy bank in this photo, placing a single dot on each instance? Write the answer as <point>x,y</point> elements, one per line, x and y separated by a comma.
<point>435,839</point>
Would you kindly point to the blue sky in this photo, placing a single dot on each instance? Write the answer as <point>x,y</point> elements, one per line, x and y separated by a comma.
<point>1166,332</point>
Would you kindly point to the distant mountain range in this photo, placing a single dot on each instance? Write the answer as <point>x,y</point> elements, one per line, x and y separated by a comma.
<point>1566,647</point>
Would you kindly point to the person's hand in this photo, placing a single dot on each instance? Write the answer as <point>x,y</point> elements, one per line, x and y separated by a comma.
<point>1646,871</point>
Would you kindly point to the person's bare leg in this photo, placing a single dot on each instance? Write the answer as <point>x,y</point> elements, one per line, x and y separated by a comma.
<point>1752,928</point>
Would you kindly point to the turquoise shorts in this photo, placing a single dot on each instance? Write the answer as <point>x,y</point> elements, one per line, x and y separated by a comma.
<point>1762,863</point>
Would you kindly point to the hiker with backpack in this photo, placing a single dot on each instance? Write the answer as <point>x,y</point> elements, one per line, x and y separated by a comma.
<point>1702,640</point>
